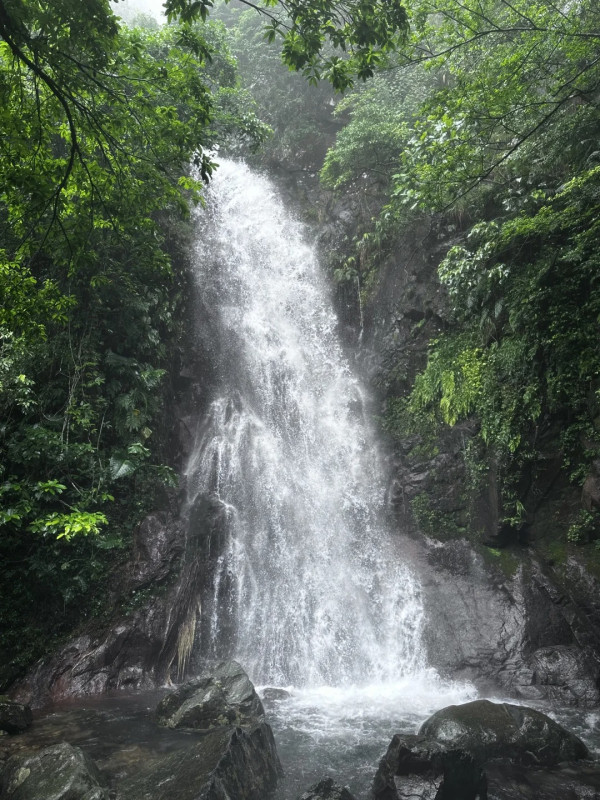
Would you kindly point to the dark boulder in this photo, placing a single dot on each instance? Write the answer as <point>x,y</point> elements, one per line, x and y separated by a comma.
<point>14,717</point>
<point>501,730</point>
<point>60,772</point>
<point>420,769</point>
<point>223,764</point>
<point>445,761</point>
<point>224,697</point>
<point>327,790</point>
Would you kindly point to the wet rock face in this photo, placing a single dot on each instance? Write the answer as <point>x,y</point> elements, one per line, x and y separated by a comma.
<point>327,790</point>
<point>14,717</point>
<point>126,658</point>
<point>517,631</point>
<point>132,653</point>
<point>61,772</point>
<point>415,768</point>
<point>476,628</point>
<point>139,649</point>
<point>226,696</point>
<point>565,782</point>
<point>501,730</point>
<point>446,761</point>
<point>590,494</point>
<point>155,550</point>
<point>562,674</point>
<point>223,764</point>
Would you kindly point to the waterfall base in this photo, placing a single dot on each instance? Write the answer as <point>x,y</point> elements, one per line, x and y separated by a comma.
<point>318,733</point>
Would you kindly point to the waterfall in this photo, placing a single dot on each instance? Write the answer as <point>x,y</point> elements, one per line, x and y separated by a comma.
<point>316,591</point>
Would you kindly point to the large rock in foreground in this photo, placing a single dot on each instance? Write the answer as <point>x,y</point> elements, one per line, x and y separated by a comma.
<point>224,764</point>
<point>61,772</point>
<point>500,730</point>
<point>14,717</point>
<point>446,760</point>
<point>418,769</point>
<point>224,697</point>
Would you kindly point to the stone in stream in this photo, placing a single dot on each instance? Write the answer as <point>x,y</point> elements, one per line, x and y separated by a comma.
<point>273,694</point>
<point>224,697</point>
<point>234,758</point>
<point>420,769</point>
<point>327,790</point>
<point>501,730</point>
<point>60,772</point>
<point>14,717</point>
<point>445,760</point>
<point>223,764</point>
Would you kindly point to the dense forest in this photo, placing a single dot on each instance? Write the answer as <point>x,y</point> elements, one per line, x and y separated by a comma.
<point>478,117</point>
<point>488,126</point>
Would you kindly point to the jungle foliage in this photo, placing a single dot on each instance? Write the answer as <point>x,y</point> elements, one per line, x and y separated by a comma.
<point>488,122</point>
<point>294,109</point>
<point>106,134</point>
<point>336,40</point>
<point>99,123</point>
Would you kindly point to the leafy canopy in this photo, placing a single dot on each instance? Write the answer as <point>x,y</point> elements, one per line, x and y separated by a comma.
<point>98,127</point>
<point>496,146</point>
<point>333,39</point>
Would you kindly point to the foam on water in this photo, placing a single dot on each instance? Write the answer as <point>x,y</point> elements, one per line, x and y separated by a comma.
<point>336,712</point>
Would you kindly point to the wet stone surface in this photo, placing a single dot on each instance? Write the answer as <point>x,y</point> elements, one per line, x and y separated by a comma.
<point>60,772</point>
<point>489,730</point>
<point>565,782</point>
<point>225,696</point>
<point>221,764</point>
<point>318,734</point>
<point>14,717</point>
<point>327,789</point>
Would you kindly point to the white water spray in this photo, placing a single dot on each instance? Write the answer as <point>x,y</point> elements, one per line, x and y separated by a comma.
<point>317,592</point>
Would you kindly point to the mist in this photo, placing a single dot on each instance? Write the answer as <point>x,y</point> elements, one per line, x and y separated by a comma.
<point>129,8</point>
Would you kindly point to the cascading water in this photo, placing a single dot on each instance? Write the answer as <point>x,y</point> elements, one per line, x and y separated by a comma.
<point>318,592</point>
<point>311,589</point>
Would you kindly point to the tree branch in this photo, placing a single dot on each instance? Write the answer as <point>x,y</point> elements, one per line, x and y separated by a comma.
<point>6,27</point>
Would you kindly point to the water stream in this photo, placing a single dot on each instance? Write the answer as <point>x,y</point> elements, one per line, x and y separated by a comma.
<point>317,589</point>
<point>313,590</point>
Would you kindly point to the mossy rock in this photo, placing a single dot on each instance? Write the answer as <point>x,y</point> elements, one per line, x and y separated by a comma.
<point>222,698</point>
<point>60,772</point>
<point>222,764</point>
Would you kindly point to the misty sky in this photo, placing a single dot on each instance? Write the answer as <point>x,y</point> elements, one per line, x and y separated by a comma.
<point>125,8</point>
